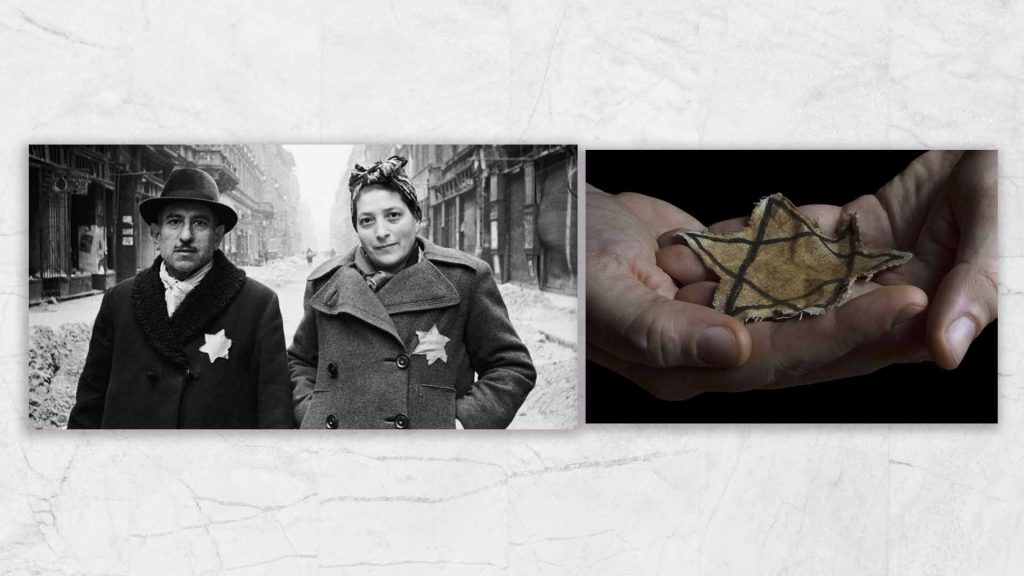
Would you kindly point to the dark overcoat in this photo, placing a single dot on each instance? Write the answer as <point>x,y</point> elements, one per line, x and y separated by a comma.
<point>366,360</point>
<point>145,370</point>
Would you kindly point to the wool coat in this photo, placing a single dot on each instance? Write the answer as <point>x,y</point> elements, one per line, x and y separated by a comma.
<point>433,344</point>
<point>145,370</point>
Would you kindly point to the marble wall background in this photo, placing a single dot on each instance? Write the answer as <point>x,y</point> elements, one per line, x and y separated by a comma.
<point>611,500</point>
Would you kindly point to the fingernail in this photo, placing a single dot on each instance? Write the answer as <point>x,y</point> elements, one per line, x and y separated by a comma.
<point>959,336</point>
<point>716,346</point>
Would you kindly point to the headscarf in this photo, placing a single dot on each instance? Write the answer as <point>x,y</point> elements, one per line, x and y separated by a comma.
<point>388,174</point>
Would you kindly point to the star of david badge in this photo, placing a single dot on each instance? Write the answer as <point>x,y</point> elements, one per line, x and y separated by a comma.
<point>782,264</point>
<point>431,344</point>
<point>217,346</point>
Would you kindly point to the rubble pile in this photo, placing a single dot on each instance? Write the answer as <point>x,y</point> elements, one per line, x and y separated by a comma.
<point>55,359</point>
<point>277,273</point>
<point>529,302</point>
<point>552,403</point>
<point>543,324</point>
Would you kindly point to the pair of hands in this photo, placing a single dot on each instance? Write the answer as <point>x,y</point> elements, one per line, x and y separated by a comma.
<point>648,298</point>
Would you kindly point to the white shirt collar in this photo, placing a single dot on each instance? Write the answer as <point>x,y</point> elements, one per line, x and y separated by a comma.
<point>176,290</point>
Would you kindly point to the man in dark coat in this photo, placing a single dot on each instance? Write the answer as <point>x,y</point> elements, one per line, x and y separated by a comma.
<point>190,342</point>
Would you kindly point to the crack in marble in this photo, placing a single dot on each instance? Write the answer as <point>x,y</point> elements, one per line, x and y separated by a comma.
<point>590,565</point>
<point>58,33</point>
<point>216,544</point>
<point>771,527</point>
<point>285,448</point>
<point>413,563</point>
<point>571,467</point>
<point>239,504</point>
<point>198,500</point>
<point>560,538</point>
<point>721,495</point>
<point>612,463</point>
<point>802,509</point>
<point>416,499</point>
<point>146,537</point>
<point>547,67</point>
<point>407,458</point>
<point>1016,530</point>
<point>536,454</point>
<point>261,563</point>
<point>950,481</point>
<point>41,505</point>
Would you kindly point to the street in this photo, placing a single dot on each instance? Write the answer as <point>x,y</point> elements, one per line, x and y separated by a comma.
<point>546,323</point>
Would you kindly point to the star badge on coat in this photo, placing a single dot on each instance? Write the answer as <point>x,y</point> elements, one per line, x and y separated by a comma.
<point>217,346</point>
<point>782,264</point>
<point>431,344</point>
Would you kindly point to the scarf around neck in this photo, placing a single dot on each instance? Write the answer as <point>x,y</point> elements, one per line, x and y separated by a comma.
<point>176,290</point>
<point>376,279</point>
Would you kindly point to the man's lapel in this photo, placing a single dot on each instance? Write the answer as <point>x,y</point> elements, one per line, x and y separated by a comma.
<point>209,299</point>
<point>150,310</point>
<point>195,314</point>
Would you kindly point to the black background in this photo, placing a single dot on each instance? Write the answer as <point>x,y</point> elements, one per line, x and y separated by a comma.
<point>714,185</point>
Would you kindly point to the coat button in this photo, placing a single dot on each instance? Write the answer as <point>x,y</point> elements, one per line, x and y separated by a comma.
<point>152,376</point>
<point>332,421</point>
<point>403,361</point>
<point>332,370</point>
<point>401,421</point>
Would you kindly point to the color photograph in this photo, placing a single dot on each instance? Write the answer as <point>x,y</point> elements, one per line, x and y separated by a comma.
<point>791,286</point>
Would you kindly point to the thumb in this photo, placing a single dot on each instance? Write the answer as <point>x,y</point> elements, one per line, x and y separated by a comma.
<point>964,304</point>
<point>631,321</point>
<point>967,298</point>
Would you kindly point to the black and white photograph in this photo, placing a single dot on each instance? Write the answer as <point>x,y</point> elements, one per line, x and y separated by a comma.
<point>374,286</point>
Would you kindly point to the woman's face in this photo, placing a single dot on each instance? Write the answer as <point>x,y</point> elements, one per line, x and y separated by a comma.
<point>386,228</point>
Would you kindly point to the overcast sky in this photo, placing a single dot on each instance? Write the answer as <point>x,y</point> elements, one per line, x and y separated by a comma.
<point>319,168</point>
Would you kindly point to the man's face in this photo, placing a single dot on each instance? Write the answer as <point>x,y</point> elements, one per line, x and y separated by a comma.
<point>386,228</point>
<point>187,236</point>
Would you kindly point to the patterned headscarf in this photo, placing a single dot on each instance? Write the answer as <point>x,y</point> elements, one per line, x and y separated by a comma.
<point>388,174</point>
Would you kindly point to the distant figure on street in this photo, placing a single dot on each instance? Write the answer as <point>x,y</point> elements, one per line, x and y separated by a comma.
<point>309,256</point>
<point>400,333</point>
<point>190,342</point>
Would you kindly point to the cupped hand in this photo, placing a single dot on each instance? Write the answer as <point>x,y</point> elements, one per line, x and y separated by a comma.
<point>869,331</point>
<point>943,208</point>
<point>632,313</point>
<point>637,297</point>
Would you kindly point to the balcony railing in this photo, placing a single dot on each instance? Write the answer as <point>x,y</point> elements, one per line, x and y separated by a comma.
<point>216,162</point>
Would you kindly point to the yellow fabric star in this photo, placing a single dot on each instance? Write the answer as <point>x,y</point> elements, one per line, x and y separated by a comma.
<point>217,346</point>
<point>431,344</point>
<point>782,265</point>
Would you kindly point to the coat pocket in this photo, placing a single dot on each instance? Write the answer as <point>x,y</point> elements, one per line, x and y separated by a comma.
<point>436,407</point>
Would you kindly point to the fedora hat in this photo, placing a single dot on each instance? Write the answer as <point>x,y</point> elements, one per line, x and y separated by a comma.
<point>189,185</point>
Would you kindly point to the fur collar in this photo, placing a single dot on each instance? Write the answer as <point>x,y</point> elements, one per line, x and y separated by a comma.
<point>199,309</point>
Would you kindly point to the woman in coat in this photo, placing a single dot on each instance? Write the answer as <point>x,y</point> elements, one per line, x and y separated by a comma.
<point>395,331</point>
